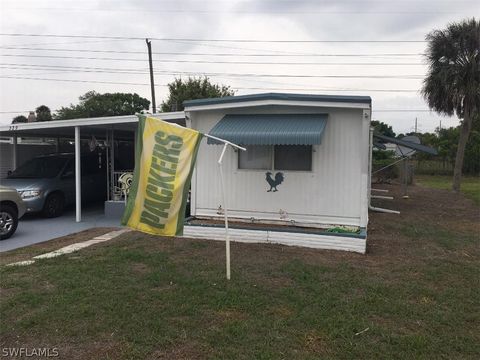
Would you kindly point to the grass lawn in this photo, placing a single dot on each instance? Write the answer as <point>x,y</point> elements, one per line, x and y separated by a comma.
<point>470,185</point>
<point>416,294</point>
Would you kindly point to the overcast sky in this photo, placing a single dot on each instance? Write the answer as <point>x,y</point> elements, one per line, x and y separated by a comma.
<point>55,71</point>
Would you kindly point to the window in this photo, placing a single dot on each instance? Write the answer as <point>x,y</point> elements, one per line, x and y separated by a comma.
<point>257,157</point>
<point>293,157</point>
<point>278,157</point>
<point>39,168</point>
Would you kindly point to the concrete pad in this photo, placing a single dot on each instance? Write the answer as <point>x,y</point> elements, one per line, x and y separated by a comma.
<point>33,229</point>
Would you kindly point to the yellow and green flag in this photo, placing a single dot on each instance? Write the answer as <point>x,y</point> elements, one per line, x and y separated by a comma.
<point>164,161</point>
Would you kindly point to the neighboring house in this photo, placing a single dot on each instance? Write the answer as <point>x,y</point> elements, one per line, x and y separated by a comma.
<point>306,164</point>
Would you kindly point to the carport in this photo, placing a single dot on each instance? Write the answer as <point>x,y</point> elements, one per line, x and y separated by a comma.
<point>107,129</point>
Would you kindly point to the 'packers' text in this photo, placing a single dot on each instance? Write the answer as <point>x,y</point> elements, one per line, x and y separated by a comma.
<point>161,178</point>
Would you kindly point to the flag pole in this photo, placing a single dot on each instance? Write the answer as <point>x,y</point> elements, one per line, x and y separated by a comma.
<point>225,212</point>
<point>224,197</point>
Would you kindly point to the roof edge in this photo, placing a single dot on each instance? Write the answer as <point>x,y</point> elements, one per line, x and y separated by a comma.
<point>279,96</point>
<point>105,120</point>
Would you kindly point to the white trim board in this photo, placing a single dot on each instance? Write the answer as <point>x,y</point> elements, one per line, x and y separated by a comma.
<point>315,241</point>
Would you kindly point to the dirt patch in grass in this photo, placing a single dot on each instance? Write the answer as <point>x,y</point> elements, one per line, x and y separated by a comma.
<point>425,212</point>
<point>316,343</point>
<point>140,268</point>
<point>183,351</point>
<point>26,253</point>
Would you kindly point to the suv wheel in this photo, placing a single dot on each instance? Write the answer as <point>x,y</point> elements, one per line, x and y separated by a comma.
<point>53,205</point>
<point>8,221</point>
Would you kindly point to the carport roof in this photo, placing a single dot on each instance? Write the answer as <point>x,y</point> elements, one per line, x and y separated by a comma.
<point>95,126</point>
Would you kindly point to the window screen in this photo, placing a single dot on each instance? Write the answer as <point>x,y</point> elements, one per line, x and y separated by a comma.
<point>293,157</point>
<point>256,157</point>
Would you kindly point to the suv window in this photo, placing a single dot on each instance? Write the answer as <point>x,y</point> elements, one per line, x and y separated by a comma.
<point>39,168</point>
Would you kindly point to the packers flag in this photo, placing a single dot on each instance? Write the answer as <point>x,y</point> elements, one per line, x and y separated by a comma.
<point>164,161</point>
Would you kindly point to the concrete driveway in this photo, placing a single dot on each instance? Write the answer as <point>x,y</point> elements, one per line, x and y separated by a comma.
<point>34,228</point>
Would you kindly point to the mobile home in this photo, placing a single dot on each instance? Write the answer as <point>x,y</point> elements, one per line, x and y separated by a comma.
<point>306,167</point>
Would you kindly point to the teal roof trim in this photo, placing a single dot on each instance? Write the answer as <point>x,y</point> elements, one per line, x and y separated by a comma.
<point>279,96</point>
<point>270,129</point>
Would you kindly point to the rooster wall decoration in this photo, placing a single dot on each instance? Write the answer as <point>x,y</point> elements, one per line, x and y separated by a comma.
<point>274,182</point>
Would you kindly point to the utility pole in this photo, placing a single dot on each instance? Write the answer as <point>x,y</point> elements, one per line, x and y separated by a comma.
<point>152,83</point>
<point>415,125</point>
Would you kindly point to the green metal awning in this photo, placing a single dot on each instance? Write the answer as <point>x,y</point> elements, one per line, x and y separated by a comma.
<point>270,129</point>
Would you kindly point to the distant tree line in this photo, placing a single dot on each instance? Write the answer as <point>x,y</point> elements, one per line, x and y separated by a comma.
<point>94,104</point>
<point>42,113</point>
<point>444,140</point>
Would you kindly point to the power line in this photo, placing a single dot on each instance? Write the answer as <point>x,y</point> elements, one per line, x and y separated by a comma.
<point>214,54</point>
<point>327,89</point>
<point>217,61</point>
<point>43,67</point>
<point>72,57</point>
<point>234,87</point>
<point>195,73</point>
<point>134,71</point>
<point>229,11</point>
<point>76,80</point>
<point>207,40</point>
<point>67,43</point>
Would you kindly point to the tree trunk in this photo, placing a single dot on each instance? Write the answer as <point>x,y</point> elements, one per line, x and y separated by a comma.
<point>462,143</point>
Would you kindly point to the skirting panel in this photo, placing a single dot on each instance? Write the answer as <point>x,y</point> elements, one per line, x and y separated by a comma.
<point>317,241</point>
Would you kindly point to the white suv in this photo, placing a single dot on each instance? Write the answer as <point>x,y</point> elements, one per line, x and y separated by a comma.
<point>12,208</point>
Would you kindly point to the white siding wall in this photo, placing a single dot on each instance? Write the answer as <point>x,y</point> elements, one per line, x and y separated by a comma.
<point>24,153</point>
<point>331,194</point>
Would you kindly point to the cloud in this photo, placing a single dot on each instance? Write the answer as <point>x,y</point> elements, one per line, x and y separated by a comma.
<point>255,19</point>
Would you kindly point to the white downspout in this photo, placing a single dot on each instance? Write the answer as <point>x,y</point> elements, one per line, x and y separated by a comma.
<point>78,177</point>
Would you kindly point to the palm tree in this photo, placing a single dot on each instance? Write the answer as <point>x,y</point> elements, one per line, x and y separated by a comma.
<point>452,85</point>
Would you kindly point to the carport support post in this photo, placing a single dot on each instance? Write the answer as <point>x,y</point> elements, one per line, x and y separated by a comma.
<point>78,177</point>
